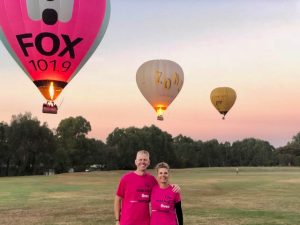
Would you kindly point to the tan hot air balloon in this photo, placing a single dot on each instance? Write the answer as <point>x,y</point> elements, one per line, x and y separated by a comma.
<point>223,99</point>
<point>160,81</point>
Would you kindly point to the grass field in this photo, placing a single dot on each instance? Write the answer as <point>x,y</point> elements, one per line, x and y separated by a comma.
<point>212,196</point>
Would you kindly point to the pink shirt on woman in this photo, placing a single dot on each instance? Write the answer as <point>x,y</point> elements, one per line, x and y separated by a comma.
<point>163,206</point>
<point>135,192</point>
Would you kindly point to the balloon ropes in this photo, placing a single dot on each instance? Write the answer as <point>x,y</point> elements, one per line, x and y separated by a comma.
<point>159,81</point>
<point>223,99</point>
<point>52,39</point>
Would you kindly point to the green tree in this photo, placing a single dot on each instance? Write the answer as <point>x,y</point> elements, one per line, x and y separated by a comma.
<point>72,144</point>
<point>124,143</point>
<point>72,128</point>
<point>289,155</point>
<point>31,145</point>
<point>214,153</point>
<point>295,140</point>
<point>187,151</point>
<point>252,152</point>
<point>4,150</point>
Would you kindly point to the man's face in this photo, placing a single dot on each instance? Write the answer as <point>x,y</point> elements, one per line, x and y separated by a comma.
<point>142,161</point>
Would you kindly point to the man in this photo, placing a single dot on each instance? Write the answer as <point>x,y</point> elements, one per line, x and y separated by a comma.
<point>132,199</point>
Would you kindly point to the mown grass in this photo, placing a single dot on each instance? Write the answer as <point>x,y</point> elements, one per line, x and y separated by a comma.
<point>211,196</point>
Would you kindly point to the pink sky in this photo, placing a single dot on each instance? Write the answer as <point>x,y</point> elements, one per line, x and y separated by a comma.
<point>251,46</point>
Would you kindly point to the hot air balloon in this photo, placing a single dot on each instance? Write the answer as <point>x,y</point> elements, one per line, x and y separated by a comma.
<point>160,81</point>
<point>52,39</point>
<point>223,99</point>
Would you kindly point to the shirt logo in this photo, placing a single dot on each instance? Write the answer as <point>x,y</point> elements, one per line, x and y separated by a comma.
<point>164,206</point>
<point>145,196</point>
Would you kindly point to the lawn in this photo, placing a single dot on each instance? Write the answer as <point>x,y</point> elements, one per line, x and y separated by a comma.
<point>211,196</point>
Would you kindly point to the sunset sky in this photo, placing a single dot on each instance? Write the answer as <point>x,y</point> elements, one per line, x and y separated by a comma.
<point>252,46</point>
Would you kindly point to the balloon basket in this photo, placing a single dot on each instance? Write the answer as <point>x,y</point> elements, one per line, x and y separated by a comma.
<point>50,108</point>
<point>160,117</point>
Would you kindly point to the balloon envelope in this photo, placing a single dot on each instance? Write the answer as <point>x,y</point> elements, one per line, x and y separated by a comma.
<point>223,99</point>
<point>160,81</point>
<point>52,40</point>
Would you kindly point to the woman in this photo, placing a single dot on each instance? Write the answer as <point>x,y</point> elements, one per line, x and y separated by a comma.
<point>165,204</point>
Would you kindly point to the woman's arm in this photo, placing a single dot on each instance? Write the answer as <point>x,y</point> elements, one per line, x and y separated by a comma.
<point>179,213</point>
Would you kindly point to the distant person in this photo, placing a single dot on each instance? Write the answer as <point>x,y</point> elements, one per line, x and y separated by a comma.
<point>237,171</point>
<point>165,203</point>
<point>131,206</point>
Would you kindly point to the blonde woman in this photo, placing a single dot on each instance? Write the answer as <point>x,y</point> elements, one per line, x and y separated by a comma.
<point>165,203</point>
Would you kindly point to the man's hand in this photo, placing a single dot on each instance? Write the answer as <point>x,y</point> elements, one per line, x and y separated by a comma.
<point>176,188</point>
<point>117,208</point>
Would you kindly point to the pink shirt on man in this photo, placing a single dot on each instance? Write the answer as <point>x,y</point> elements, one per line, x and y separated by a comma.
<point>135,191</point>
<point>163,206</point>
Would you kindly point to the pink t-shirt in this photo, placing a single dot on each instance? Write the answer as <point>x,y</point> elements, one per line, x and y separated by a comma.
<point>163,206</point>
<point>135,192</point>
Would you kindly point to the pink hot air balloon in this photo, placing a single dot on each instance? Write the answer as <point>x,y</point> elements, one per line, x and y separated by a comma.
<point>52,39</point>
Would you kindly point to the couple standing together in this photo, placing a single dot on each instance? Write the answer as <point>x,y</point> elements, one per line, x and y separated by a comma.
<point>138,188</point>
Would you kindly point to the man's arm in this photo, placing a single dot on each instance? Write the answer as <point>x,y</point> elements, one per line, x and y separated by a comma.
<point>176,188</point>
<point>117,209</point>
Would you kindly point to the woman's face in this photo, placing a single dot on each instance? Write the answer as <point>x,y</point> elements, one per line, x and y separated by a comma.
<point>163,175</point>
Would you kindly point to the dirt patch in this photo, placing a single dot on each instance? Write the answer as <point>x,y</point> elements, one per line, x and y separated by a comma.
<point>290,181</point>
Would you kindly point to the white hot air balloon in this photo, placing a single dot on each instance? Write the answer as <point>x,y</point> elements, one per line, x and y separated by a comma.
<point>160,81</point>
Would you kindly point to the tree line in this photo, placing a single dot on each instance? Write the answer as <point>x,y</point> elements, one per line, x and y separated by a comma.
<point>28,147</point>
